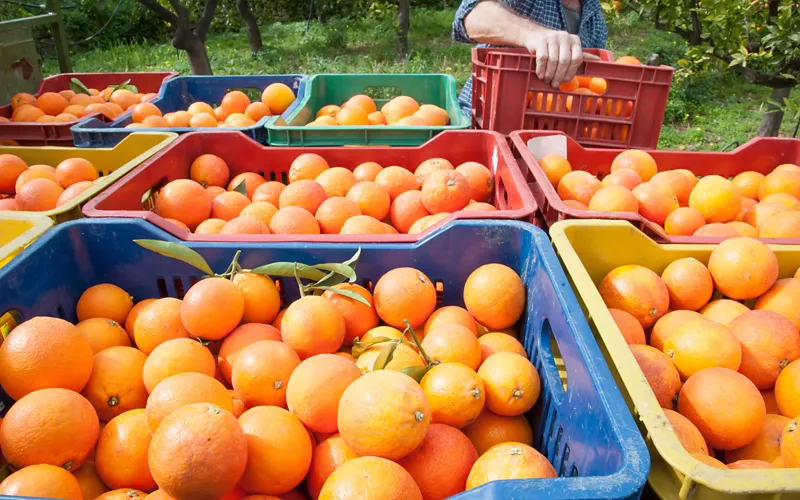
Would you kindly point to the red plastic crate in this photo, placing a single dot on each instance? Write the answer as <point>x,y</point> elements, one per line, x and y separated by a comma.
<point>134,194</point>
<point>58,134</point>
<point>507,96</point>
<point>762,155</point>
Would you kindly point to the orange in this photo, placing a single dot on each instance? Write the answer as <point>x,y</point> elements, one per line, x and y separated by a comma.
<point>511,383</point>
<point>229,205</point>
<point>143,110</point>
<point>716,198</point>
<point>656,201</point>
<point>371,477</point>
<point>304,194</point>
<point>158,322</point>
<point>209,170</point>
<point>688,434</point>
<point>613,199</point>
<point>749,183</point>
<point>403,357</point>
<point>235,101</point>
<point>751,464</point>
<point>455,394</point>
<point>43,481</point>
<point>449,315</point>
<point>372,199</point>
<point>336,181</point>
<point>269,191</point>
<point>480,207</point>
<point>636,160</point>
<point>178,119</point>
<point>200,120</point>
<point>769,343</point>
<point>116,384</point>
<point>27,113</point>
<point>689,284</point>
<point>307,166</point>
<point>628,60</point>
<point>124,98</point>
<point>358,318</point>
<point>315,388</point>
<point>122,494</point>
<point>770,402</point>
<point>103,333</point>
<point>452,343</point>
<point>431,116</point>
<point>668,323</point>
<point>495,296</point>
<point>91,484</point>
<point>784,199</point>
<point>261,372</point>
<point>629,326</point>
<point>212,308</point>
<point>261,297</point>
<point>178,223</point>
<point>479,178</point>
<point>199,452</point>
<point>328,456</point>
<point>780,181</point>
<point>74,170</point>
<point>782,225</point>
<point>625,177</point>
<point>294,220</point>
<point>679,183</point>
<point>790,444</point>
<point>723,311</point>
<point>64,435</point>
<point>441,464</point>
<point>8,204</point>
<point>724,405</point>
<point>509,461</point>
<point>362,101</point>
<point>744,229</point>
<point>22,98</point>
<point>404,294</point>
<point>51,103</point>
<point>334,212</point>
<point>352,116</point>
<point>199,107</point>
<point>260,210</point>
<point>11,168</point>
<point>121,455</point>
<point>65,117</point>
<point>385,414</point>
<point>747,204</point>
<point>743,268</point>
<point>637,291</point>
<point>328,110</point>
<point>717,230</point>
<point>181,390</point>
<point>708,460</point>
<point>133,314</point>
<point>244,225</point>
<point>500,342</point>
<point>183,200</point>
<point>313,325</point>
<point>660,373</point>
<point>176,356</point>
<point>781,298</point>
<point>700,344</point>
<point>73,192</point>
<point>33,172</point>
<point>766,446</point>
<point>210,226</point>
<point>75,110</point>
<point>490,429</point>
<point>578,186</point>
<point>445,191</point>
<point>376,118</point>
<point>38,195</point>
<point>154,121</point>
<point>43,353</point>
<point>279,450</point>
<point>367,171</point>
<point>429,166</point>
<point>786,390</point>
<point>240,338</point>
<point>278,97</point>
<point>396,180</point>
<point>555,167</point>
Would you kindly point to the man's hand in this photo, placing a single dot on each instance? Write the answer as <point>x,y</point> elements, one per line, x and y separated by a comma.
<point>558,55</point>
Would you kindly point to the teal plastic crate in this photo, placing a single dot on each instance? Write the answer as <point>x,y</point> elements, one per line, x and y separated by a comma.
<point>324,89</point>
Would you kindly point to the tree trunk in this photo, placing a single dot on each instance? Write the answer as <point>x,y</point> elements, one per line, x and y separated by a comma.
<point>771,124</point>
<point>198,58</point>
<point>253,34</point>
<point>403,22</point>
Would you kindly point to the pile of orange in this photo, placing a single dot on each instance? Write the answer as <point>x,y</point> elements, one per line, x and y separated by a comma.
<point>39,188</point>
<point>235,110</point>
<point>727,376</point>
<point>223,395</point>
<point>751,204</point>
<point>320,199</point>
<point>67,106</point>
<point>361,110</point>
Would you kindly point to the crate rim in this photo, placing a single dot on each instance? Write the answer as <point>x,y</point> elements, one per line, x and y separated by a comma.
<point>635,462</point>
<point>726,481</point>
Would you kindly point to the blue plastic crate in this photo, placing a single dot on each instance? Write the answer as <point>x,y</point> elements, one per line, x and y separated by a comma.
<point>585,429</point>
<point>177,94</point>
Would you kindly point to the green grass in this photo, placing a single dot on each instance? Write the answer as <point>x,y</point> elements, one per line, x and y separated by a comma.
<point>704,112</point>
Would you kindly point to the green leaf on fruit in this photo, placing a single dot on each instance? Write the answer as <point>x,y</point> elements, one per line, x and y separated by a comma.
<point>287,270</point>
<point>347,293</point>
<point>78,87</point>
<point>177,251</point>
<point>241,188</point>
<point>416,372</point>
<point>385,356</point>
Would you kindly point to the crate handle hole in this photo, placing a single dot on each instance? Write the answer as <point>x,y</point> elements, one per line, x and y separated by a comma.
<point>553,363</point>
<point>382,92</point>
<point>8,321</point>
<point>251,92</point>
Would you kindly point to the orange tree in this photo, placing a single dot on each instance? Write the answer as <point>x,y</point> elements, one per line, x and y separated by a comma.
<point>758,38</point>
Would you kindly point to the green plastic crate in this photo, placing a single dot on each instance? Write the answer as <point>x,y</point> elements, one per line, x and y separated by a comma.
<point>326,89</point>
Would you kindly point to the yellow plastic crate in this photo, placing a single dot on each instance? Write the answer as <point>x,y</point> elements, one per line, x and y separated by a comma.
<point>111,164</point>
<point>17,231</point>
<point>589,249</point>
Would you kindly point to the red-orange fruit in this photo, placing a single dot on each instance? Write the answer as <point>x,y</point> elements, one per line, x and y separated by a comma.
<point>637,291</point>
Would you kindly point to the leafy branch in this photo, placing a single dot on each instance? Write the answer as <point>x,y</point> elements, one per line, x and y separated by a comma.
<point>388,347</point>
<point>78,87</point>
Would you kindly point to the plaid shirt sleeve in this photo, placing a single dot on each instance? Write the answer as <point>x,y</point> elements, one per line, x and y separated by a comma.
<point>459,31</point>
